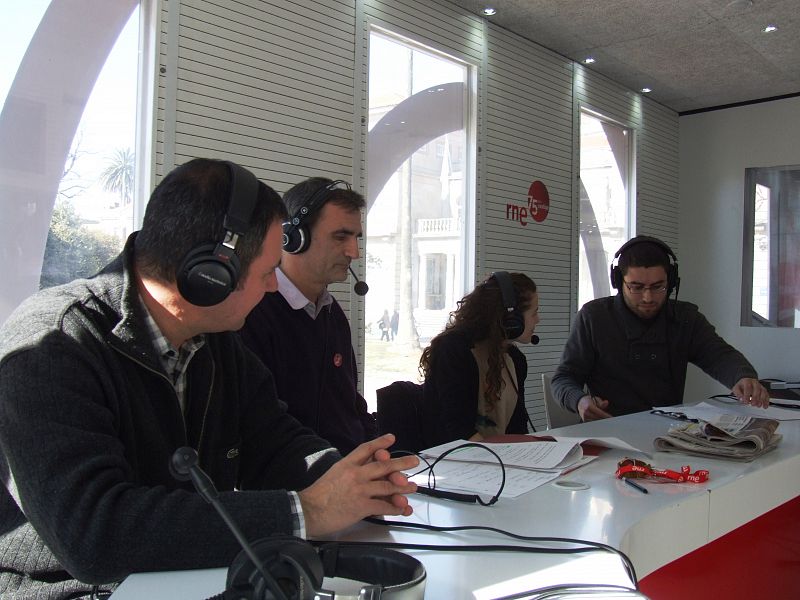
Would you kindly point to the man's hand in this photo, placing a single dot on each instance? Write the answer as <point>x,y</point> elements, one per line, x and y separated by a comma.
<point>366,482</point>
<point>592,408</point>
<point>750,391</point>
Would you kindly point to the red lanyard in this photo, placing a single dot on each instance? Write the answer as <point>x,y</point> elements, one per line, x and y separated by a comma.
<point>639,469</point>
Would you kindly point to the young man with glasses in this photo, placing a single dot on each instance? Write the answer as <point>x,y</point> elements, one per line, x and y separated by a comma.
<point>628,353</point>
<point>301,333</point>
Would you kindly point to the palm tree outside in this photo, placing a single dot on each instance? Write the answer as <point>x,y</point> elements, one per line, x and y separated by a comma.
<point>117,177</point>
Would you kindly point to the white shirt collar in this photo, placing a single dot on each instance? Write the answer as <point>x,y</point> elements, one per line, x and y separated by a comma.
<point>295,298</point>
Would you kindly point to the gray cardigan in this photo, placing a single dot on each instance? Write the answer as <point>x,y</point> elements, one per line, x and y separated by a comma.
<point>88,422</point>
<point>637,364</point>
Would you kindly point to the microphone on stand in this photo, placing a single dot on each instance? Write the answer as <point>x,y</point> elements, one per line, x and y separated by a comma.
<point>183,467</point>
<point>361,288</point>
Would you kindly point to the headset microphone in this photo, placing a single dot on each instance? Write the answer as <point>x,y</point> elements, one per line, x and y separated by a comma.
<point>534,339</point>
<point>183,467</point>
<point>361,288</point>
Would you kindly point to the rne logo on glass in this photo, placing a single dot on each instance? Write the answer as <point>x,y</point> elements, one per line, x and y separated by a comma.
<point>537,208</point>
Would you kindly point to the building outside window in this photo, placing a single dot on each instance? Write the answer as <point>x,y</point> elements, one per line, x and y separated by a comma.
<point>420,190</point>
<point>71,204</point>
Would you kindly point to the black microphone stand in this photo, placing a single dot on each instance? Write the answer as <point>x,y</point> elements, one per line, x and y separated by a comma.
<point>184,466</point>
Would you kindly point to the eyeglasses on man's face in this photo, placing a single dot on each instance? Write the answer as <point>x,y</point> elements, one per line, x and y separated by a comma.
<point>637,289</point>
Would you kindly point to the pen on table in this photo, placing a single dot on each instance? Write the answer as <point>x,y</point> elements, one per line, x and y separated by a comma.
<point>633,484</point>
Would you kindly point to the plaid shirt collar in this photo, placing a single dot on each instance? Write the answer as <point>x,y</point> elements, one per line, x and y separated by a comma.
<point>174,361</point>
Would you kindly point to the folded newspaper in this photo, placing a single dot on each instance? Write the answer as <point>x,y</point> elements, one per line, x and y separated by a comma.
<point>734,437</point>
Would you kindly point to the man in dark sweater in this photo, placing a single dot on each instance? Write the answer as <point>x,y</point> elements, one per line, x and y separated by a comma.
<point>102,379</point>
<point>301,333</point>
<point>628,353</point>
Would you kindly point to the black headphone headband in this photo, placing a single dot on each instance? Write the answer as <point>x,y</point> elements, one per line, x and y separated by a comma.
<point>210,271</point>
<point>299,569</point>
<point>296,236</point>
<point>673,280</point>
<point>646,239</point>
<point>513,323</point>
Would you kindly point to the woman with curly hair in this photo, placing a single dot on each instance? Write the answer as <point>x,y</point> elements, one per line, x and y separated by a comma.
<point>474,374</point>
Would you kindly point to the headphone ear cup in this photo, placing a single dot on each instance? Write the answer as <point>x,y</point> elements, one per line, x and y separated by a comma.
<point>673,281</point>
<point>204,279</point>
<point>292,562</point>
<point>514,325</point>
<point>616,277</point>
<point>295,239</point>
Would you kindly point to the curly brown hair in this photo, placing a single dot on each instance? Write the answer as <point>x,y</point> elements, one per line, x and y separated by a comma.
<point>479,317</point>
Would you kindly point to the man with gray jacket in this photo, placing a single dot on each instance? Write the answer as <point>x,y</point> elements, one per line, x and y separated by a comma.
<point>102,379</point>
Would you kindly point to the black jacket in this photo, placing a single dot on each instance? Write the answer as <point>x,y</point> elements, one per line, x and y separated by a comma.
<point>88,423</point>
<point>314,367</point>
<point>637,364</point>
<point>450,403</point>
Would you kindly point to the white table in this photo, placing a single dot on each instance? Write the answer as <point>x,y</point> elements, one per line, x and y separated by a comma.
<point>644,526</point>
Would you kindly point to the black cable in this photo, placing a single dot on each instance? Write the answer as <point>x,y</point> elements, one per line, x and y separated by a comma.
<point>98,594</point>
<point>725,398</point>
<point>494,498</point>
<point>557,591</point>
<point>590,545</point>
<point>731,399</point>
<point>457,496</point>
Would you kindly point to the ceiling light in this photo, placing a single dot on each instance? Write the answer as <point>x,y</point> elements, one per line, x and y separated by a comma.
<point>588,60</point>
<point>769,28</point>
<point>489,11</point>
<point>646,90</point>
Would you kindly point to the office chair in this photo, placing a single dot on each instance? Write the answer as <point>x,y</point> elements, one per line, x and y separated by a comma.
<point>400,413</point>
<point>557,415</point>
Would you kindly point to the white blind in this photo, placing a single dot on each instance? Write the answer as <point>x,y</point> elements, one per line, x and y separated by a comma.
<point>281,87</point>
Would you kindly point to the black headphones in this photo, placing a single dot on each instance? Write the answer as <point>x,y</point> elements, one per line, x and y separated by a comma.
<point>673,280</point>
<point>513,322</point>
<point>296,236</point>
<point>210,271</point>
<point>299,569</point>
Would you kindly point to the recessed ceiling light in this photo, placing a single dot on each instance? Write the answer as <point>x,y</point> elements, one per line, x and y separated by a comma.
<point>588,60</point>
<point>769,28</point>
<point>489,11</point>
<point>646,90</point>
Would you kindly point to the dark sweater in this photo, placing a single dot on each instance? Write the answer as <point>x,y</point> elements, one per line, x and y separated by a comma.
<point>637,364</point>
<point>314,367</point>
<point>450,405</point>
<point>88,423</point>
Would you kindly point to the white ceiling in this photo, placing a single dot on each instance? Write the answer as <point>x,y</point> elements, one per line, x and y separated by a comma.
<point>693,54</point>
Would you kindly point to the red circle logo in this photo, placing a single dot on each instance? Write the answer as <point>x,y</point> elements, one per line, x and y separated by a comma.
<point>538,201</point>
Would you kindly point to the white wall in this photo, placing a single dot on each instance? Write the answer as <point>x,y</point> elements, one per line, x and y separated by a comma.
<point>715,149</point>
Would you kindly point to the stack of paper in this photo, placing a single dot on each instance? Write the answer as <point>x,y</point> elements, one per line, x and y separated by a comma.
<point>527,464</point>
<point>735,437</point>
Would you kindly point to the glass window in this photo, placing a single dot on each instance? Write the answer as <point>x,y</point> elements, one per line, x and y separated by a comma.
<point>605,201</point>
<point>74,190</point>
<point>771,271</point>
<point>761,252</point>
<point>435,274</point>
<point>419,155</point>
